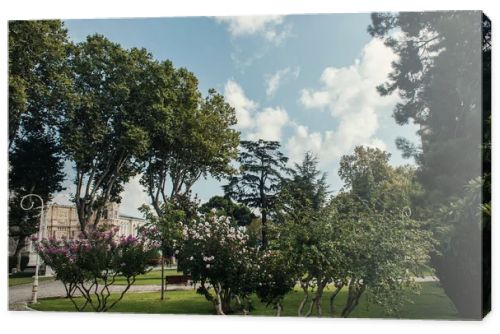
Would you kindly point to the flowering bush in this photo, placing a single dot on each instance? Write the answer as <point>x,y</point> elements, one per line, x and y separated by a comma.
<point>90,264</point>
<point>216,254</point>
<point>275,279</point>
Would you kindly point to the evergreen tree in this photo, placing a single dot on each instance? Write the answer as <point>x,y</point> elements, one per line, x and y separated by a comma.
<point>439,79</point>
<point>261,171</point>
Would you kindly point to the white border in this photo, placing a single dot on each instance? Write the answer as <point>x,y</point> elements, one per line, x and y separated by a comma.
<point>20,322</point>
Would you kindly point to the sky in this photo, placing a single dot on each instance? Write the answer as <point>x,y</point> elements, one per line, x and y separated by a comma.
<point>308,81</point>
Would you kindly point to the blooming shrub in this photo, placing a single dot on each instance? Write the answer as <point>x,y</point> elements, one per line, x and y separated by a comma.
<point>217,255</point>
<point>276,278</point>
<point>90,264</point>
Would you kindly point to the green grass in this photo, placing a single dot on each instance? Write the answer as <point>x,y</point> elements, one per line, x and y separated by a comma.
<point>432,303</point>
<point>151,278</point>
<point>24,278</point>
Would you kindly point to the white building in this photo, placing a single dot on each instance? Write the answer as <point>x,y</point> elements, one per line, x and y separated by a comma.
<point>62,221</point>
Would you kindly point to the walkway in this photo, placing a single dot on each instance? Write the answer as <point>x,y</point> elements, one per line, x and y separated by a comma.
<point>19,295</point>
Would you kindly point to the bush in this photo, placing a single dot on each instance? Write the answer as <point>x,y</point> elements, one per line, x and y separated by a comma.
<point>90,264</point>
<point>275,278</point>
<point>216,253</point>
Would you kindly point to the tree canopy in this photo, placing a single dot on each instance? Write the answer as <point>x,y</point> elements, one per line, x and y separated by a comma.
<point>262,168</point>
<point>439,79</point>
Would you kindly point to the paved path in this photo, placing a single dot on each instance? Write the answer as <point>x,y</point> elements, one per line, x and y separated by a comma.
<point>20,294</point>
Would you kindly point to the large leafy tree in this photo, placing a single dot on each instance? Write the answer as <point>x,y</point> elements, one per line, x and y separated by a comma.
<point>191,138</point>
<point>39,88</point>
<point>261,171</point>
<point>364,169</point>
<point>438,77</point>
<point>105,132</point>
<point>39,78</point>
<point>382,247</point>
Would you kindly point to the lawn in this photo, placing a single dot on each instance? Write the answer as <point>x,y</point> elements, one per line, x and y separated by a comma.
<point>432,303</point>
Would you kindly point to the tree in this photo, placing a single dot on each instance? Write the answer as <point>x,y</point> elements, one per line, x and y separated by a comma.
<point>276,277</point>
<point>239,213</point>
<point>438,77</point>
<point>216,254</point>
<point>105,132</point>
<point>383,248</point>
<point>39,76</point>
<point>39,84</point>
<point>260,175</point>
<point>36,168</point>
<point>364,170</point>
<point>304,234</point>
<point>165,230</point>
<point>192,138</point>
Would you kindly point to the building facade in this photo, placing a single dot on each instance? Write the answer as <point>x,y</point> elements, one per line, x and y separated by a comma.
<point>61,221</point>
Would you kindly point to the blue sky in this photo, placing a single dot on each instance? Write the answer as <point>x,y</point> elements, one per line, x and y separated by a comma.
<point>305,80</point>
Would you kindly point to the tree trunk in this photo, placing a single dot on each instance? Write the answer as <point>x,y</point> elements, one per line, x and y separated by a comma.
<point>355,292</point>
<point>319,296</point>
<point>18,253</point>
<point>264,228</point>
<point>218,300</point>
<point>305,287</point>
<point>332,298</point>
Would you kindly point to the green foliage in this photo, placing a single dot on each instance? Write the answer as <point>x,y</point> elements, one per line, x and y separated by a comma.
<point>39,78</point>
<point>261,171</point>
<point>239,213</point>
<point>383,248</point>
<point>104,133</point>
<point>36,167</point>
<point>165,229</point>
<point>217,255</point>
<point>39,82</point>
<point>275,278</point>
<point>191,137</point>
<point>459,227</point>
<point>303,233</point>
<point>444,90</point>
<point>90,264</point>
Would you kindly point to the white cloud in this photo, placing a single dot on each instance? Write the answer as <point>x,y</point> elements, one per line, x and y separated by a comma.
<point>271,27</point>
<point>244,107</point>
<point>349,94</point>
<point>269,124</point>
<point>133,197</point>
<point>266,124</point>
<point>274,81</point>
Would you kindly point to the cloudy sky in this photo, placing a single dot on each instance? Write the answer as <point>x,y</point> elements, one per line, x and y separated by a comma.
<point>307,81</point>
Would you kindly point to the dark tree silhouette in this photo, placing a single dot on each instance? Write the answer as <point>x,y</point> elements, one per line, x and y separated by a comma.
<point>36,167</point>
<point>262,166</point>
<point>439,79</point>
